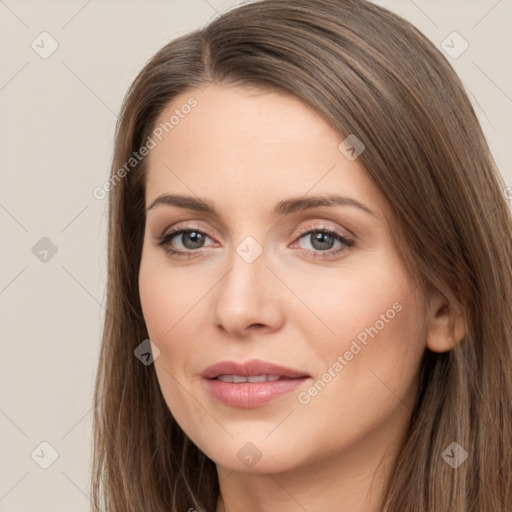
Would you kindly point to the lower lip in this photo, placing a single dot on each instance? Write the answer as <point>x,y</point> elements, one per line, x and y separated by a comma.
<point>251,394</point>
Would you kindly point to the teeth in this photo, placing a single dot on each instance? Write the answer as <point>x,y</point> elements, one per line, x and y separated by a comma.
<point>225,378</point>
<point>253,378</point>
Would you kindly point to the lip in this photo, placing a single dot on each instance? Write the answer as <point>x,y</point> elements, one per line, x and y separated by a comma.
<point>251,394</point>
<point>251,368</point>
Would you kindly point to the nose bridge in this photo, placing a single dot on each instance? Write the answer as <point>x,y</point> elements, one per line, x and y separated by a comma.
<point>245,282</point>
<point>246,295</point>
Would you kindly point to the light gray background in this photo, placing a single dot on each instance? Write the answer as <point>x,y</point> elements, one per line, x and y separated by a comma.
<point>57,123</point>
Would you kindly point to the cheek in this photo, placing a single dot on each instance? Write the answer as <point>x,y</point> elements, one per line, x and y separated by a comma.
<point>174,306</point>
<point>167,296</point>
<point>167,300</point>
<point>350,300</point>
<point>369,366</point>
<point>369,320</point>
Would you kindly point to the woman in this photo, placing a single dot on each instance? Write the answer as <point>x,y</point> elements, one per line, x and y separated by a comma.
<point>307,223</point>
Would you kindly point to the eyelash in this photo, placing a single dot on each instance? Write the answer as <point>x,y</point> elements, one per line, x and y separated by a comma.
<point>347,243</point>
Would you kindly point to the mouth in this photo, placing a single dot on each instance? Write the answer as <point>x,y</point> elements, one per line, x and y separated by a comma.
<point>237,379</point>
<point>254,369</point>
<point>251,384</point>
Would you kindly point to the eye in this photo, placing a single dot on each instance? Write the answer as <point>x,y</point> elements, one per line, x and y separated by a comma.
<point>191,239</point>
<point>323,242</point>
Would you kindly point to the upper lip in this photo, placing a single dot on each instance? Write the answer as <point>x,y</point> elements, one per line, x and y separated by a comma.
<point>251,368</point>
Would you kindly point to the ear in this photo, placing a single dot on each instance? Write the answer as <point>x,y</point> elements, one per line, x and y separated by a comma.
<point>446,325</point>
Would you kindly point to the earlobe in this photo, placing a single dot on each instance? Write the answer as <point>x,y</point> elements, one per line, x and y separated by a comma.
<point>446,327</point>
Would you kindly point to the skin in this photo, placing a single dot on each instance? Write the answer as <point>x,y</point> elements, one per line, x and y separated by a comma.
<point>244,150</point>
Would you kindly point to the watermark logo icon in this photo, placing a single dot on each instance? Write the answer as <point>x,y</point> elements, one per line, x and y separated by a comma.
<point>454,45</point>
<point>44,45</point>
<point>44,250</point>
<point>351,147</point>
<point>147,352</point>
<point>44,455</point>
<point>249,454</point>
<point>454,455</point>
<point>249,249</point>
<point>508,194</point>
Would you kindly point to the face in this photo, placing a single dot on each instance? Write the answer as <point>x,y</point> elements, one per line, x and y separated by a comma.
<point>266,273</point>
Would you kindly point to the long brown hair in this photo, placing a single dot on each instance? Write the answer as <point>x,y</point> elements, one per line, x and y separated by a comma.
<point>369,73</point>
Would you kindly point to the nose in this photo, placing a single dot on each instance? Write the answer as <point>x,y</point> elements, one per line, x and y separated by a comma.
<point>249,298</point>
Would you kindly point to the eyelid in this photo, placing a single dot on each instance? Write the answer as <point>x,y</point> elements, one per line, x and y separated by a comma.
<point>317,225</point>
<point>190,226</point>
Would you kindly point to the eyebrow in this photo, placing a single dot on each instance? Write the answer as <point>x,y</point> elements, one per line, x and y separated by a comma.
<point>284,207</point>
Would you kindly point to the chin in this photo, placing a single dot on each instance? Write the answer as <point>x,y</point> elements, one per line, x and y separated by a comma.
<point>260,456</point>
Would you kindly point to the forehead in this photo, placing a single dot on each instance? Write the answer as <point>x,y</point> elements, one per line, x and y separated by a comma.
<point>250,145</point>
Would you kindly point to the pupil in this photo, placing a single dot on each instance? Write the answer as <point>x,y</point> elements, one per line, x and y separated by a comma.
<point>195,237</point>
<point>324,241</point>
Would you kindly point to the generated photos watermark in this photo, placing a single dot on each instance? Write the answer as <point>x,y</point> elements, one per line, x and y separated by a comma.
<point>357,345</point>
<point>156,136</point>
